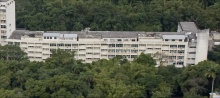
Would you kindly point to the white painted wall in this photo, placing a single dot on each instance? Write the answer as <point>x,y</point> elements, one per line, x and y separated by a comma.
<point>10,17</point>
<point>202,45</point>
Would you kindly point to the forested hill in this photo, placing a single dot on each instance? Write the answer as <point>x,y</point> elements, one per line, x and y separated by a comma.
<point>114,15</point>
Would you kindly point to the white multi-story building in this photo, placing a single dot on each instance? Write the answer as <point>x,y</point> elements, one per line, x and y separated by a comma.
<point>7,19</point>
<point>188,46</point>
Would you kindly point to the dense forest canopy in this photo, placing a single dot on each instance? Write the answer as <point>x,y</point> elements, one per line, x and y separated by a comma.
<point>63,76</point>
<point>114,15</point>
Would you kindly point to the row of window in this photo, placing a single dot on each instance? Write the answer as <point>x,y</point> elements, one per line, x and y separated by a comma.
<point>50,37</point>
<point>31,57</point>
<point>119,40</point>
<point>174,40</point>
<point>109,45</point>
<point>176,57</point>
<point>34,52</point>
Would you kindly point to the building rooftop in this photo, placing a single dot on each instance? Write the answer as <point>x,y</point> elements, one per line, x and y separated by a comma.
<point>3,0</point>
<point>189,26</point>
<point>17,34</point>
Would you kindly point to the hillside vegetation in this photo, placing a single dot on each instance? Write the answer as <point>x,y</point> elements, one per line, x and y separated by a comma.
<point>61,76</point>
<point>114,15</point>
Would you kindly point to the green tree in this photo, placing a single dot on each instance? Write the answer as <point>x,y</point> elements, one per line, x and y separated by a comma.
<point>145,59</point>
<point>12,52</point>
<point>211,73</point>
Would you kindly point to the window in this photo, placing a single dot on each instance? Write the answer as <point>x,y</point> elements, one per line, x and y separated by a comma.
<point>172,57</point>
<point>134,51</point>
<point>89,47</point>
<point>179,63</point>
<point>68,45</point>
<point>45,44</point>
<point>180,40</point>
<point>81,49</point>
<point>30,51</point>
<point>111,45</point>
<point>96,47</point>
<point>104,44</point>
<point>2,10</point>
<point>118,50</point>
<point>81,54</point>
<point>172,51</point>
<point>126,45</point>
<point>173,46</point>
<point>53,45</point>
<point>3,26</point>
<point>38,47</point>
<point>165,45</point>
<point>150,45</point>
<point>60,45</point>
<point>125,39</point>
<point>112,40</point>
<point>89,53</point>
<point>180,51</point>
<point>111,50</point>
<point>104,50</point>
<point>173,39</point>
<point>134,45</point>
<point>149,48</point>
<point>68,50</point>
<point>45,48</point>
<point>166,40</point>
<point>119,40</point>
<point>192,52</point>
<point>96,53</point>
<point>31,46</point>
<point>119,45</point>
<point>3,31</point>
<point>38,52</point>
<point>180,57</point>
<point>55,37</point>
<point>74,45</point>
<point>133,56</point>
<point>181,46</point>
<point>74,49</point>
<point>81,44</point>
<point>132,40</point>
<point>3,21</point>
<point>23,42</point>
<point>142,44</point>
<point>111,56</point>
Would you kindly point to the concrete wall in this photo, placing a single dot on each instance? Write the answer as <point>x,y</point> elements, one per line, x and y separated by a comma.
<point>202,45</point>
<point>10,17</point>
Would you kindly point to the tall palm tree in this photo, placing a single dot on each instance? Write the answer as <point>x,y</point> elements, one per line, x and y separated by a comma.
<point>211,73</point>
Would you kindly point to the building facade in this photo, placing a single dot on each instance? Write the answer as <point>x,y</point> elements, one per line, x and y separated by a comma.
<point>182,48</point>
<point>7,19</point>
